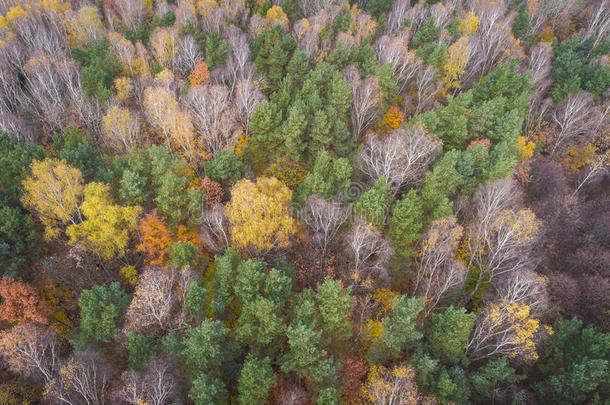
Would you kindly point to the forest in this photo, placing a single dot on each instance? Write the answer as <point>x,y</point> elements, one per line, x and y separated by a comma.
<point>304,202</point>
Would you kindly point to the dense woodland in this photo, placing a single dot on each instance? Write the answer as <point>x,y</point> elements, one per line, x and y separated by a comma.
<point>304,202</point>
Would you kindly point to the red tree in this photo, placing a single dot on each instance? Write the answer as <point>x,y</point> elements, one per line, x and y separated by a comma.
<point>21,302</point>
<point>155,238</point>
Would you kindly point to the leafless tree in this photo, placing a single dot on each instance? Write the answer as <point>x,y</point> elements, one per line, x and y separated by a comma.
<point>214,229</point>
<point>598,25</point>
<point>213,116</point>
<point>397,16</point>
<point>324,218</point>
<point>427,87</point>
<point>84,379</point>
<point>16,127</point>
<point>401,157</point>
<point>154,302</point>
<point>309,7</point>
<point>526,287</point>
<point>157,386</point>
<point>132,12</point>
<point>370,254</point>
<point>29,350</point>
<point>247,96</point>
<point>45,91</point>
<point>188,54</point>
<point>366,100</point>
<point>405,66</point>
<point>437,270</point>
<point>539,64</point>
<point>600,165</point>
<point>572,118</point>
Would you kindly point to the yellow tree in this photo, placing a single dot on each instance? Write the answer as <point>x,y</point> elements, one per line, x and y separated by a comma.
<point>396,386</point>
<point>124,89</point>
<point>164,45</point>
<point>54,192</point>
<point>504,328</point>
<point>108,227</point>
<point>84,26</point>
<point>166,116</point>
<point>457,57</point>
<point>259,215</point>
<point>469,24</point>
<point>121,129</point>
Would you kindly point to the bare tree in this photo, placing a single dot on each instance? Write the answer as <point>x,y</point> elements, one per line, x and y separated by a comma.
<point>157,386</point>
<point>29,350</point>
<point>214,229</point>
<point>499,239</point>
<point>427,87</point>
<point>366,100</point>
<point>437,270</point>
<point>324,218</point>
<point>598,25</point>
<point>213,116</point>
<point>397,16</point>
<point>84,379</point>
<point>395,51</point>
<point>189,53</point>
<point>401,157</point>
<point>370,254</point>
<point>154,302</point>
<point>526,287</point>
<point>247,96</point>
<point>572,118</point>
<point>599,165</point>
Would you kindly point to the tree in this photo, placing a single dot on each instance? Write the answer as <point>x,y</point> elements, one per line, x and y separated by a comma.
<point>493,381</point>
<point>374,203</point>
<point>259,215</point>
<point>225,168</point>
<point>29,350</point>
<point>447,334</point>
<point>328,178</point>
<point>212,190</point>
<point>400,330</point>
<point>247,97</point>
<point>324,219</point>
<point>19,240</point>
<point>573,118</point>
<point>107,228</point>
<point>21,302</point>
<point>437,271</point>
<point>504,328</point>
<point>205,351</point>
<point>366,100</point>
<point>576,362</point>
<point>83,378</point>
<point>394,50</point>
<point>370,254</point>
<point>405,223</point>
<point>255,381</point>
<point>457,58</point>
<point>334,306</point>
<point>54,192</point>
<point>122,129</point>
<point>213,114</point>
<point>101,312</point>
<point>200,75</point>
<point>396,386</point>
<point>154,302</point>
<point>157,385</point>
<point>174,124</point>
<point>75,147</point>
<point>155,238</point>
<point>214,229</point>
<point>307,358</point>
<point>400,157</point>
